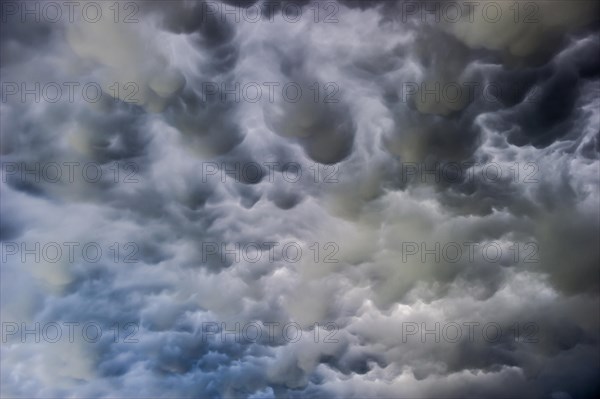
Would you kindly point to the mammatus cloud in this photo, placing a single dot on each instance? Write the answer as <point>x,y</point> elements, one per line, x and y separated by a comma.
<point>289,199</point>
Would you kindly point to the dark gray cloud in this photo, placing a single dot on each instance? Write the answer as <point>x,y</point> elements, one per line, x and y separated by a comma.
<point>354,180</point>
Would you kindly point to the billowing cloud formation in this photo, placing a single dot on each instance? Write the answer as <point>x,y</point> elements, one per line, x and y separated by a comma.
<point>365,134</point>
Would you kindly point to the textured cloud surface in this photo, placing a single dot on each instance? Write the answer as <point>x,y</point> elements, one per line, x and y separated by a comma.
<point>280,192</point>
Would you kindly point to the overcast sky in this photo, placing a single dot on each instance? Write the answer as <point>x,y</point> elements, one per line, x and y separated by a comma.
<point>300,199</point>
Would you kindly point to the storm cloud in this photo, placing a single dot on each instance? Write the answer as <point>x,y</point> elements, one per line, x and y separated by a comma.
<point>298,199</point>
